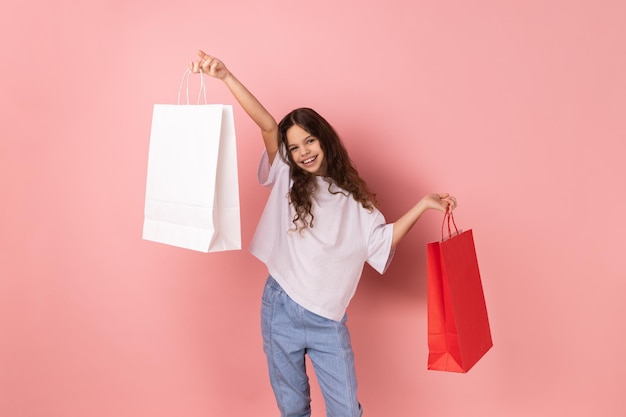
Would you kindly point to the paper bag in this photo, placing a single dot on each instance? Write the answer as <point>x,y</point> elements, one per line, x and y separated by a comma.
<point>192,191</point>
<point>458,326</point>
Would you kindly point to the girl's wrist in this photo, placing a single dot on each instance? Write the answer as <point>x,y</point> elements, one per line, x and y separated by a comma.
<point>422,205</point>
<point>419,208</point>
<point>228,77</point>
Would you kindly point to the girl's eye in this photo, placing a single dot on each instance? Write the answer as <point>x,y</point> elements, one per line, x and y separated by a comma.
<point>292,149</point>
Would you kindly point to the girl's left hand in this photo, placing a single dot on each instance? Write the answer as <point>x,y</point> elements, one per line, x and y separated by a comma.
<point>441,202</point>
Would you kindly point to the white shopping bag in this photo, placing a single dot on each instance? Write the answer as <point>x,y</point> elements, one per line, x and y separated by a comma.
<point>192,190</point>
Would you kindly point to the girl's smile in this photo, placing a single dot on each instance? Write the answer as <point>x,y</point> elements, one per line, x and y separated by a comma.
<point>306,150</point>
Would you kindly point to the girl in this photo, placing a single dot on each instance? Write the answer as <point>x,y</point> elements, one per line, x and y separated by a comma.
<point>319,226</point>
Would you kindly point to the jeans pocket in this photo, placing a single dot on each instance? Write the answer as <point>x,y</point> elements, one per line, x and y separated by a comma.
<point>344,333</point>
<point>270,292</point>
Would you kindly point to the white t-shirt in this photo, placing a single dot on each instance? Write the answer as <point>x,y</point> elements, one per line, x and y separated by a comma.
<point>318,267</point>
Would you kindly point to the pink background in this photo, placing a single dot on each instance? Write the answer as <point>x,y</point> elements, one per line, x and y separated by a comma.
<point>515,107</point>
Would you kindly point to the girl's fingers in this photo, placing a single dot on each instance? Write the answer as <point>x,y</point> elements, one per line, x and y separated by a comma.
<point>208,64</point>
<point>447,201</point>
<point>195,66</point>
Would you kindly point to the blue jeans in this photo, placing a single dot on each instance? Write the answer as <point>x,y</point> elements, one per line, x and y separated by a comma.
<point>289,333</point>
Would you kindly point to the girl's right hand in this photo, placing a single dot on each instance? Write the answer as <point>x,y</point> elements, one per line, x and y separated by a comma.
<point>209,65</point>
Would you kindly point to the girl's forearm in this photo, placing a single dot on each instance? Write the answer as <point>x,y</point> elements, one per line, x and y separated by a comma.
<point>250,104</point>
<point>441,202</point>
<point>253,107</point>
<point>405,223</point>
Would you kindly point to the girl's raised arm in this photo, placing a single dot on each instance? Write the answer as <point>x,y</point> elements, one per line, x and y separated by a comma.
<point>269,129</point>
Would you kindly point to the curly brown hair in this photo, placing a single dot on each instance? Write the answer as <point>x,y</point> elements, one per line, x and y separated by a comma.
<point>338,168</point>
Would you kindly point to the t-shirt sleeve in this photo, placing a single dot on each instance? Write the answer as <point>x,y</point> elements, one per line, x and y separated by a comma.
<point>268,173</point>
<point>379,251</point>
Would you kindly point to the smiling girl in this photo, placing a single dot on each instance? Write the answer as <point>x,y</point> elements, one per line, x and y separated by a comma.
<point>319,226</point>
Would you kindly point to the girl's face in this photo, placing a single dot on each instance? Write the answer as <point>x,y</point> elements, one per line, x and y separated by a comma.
<point>306,150</point>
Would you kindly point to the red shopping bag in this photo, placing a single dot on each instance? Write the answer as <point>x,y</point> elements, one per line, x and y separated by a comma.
<point>458,326</point>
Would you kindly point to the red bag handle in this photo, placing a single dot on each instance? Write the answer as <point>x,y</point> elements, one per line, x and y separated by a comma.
<point>449,216</point>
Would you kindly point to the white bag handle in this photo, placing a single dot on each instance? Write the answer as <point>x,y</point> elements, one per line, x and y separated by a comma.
<point>202,86</point>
